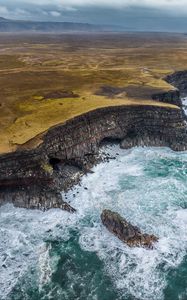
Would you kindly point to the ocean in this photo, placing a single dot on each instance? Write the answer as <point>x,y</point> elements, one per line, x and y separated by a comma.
<point>57,255</point>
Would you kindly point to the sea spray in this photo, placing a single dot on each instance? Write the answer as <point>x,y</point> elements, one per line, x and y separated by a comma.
<point>55,255</point>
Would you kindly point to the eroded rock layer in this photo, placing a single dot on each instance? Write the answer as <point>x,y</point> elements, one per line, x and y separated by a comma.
<point>179,79</point>
<point>34,178</point>
<point>126,232</point>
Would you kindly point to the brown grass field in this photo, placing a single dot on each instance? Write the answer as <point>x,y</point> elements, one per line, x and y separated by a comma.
<point>48,79</point>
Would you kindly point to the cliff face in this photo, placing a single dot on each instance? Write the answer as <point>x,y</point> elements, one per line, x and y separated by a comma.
<point>172,97</point>
<point>34,179</point>
<point>179,80</point>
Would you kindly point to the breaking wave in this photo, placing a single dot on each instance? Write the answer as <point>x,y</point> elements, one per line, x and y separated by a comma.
<point>57,255</point>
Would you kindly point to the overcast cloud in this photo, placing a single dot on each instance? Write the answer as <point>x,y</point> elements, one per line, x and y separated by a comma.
<point>164,15</point>
<point>179,6</point>
<point>163,4</point>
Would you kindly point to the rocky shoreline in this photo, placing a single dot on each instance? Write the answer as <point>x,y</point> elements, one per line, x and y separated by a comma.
<point>35,178</point>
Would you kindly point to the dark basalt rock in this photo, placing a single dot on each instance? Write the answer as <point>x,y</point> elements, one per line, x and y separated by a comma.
<point>34,197</point>
<point>68,151</point>
<point>179,80</point>
<point>172,97</point>
<point>125,231</point>
<point>35,178</point>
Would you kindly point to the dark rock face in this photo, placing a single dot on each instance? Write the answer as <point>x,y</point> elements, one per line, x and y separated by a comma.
<point>35,178</point>
<point>33,196</point>
<point>70,150</point>
<point>172,97</point>
<point>179,80</point>
<point>125,231</point>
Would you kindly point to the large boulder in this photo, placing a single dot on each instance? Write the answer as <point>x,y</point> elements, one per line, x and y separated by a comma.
<point>125,231</point>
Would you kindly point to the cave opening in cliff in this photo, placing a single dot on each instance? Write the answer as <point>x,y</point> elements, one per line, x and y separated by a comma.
<point>109,140</point>
<point>54,162</point>
<point>132,133</point>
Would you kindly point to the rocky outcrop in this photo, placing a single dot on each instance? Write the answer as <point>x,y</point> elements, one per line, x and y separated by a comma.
<point>126,232</point>
<point>179,80</point>
<point>35,178</point>
<point>70,150</point>
<point>172,97</point>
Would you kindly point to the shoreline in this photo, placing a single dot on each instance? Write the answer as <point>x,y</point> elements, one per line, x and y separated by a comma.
<point>35,178</point>
<point>120,185</point>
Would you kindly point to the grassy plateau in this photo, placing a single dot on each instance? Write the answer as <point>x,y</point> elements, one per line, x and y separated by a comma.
<point>47,79</point>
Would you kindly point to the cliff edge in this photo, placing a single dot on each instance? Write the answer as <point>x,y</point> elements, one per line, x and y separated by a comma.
<point>34,178</point>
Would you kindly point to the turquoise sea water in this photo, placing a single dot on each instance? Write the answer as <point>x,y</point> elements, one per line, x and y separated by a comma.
<point>57,255</point>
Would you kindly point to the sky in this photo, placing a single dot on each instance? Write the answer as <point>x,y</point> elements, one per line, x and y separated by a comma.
<point>156,15</point>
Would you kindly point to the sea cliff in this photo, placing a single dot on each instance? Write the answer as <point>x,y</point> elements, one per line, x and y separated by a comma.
<point>34,178</point>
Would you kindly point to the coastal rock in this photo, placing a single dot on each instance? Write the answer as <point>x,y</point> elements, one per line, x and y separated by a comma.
<point>34,198</point>
<point>125,231</point>
<point>172,97</point>
<point>179,80</point>
<point>70,150</point>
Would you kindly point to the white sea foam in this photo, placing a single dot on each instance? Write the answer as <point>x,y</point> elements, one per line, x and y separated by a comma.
<point>184,102</point>
<point>129,185</point>
<point>22,234</point>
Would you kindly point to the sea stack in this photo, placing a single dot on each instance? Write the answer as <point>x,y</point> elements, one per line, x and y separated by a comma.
<point>126,232</point>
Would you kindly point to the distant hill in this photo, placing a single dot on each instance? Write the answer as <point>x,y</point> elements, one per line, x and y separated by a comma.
<point>3,19</point>
<point>35,26</point>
